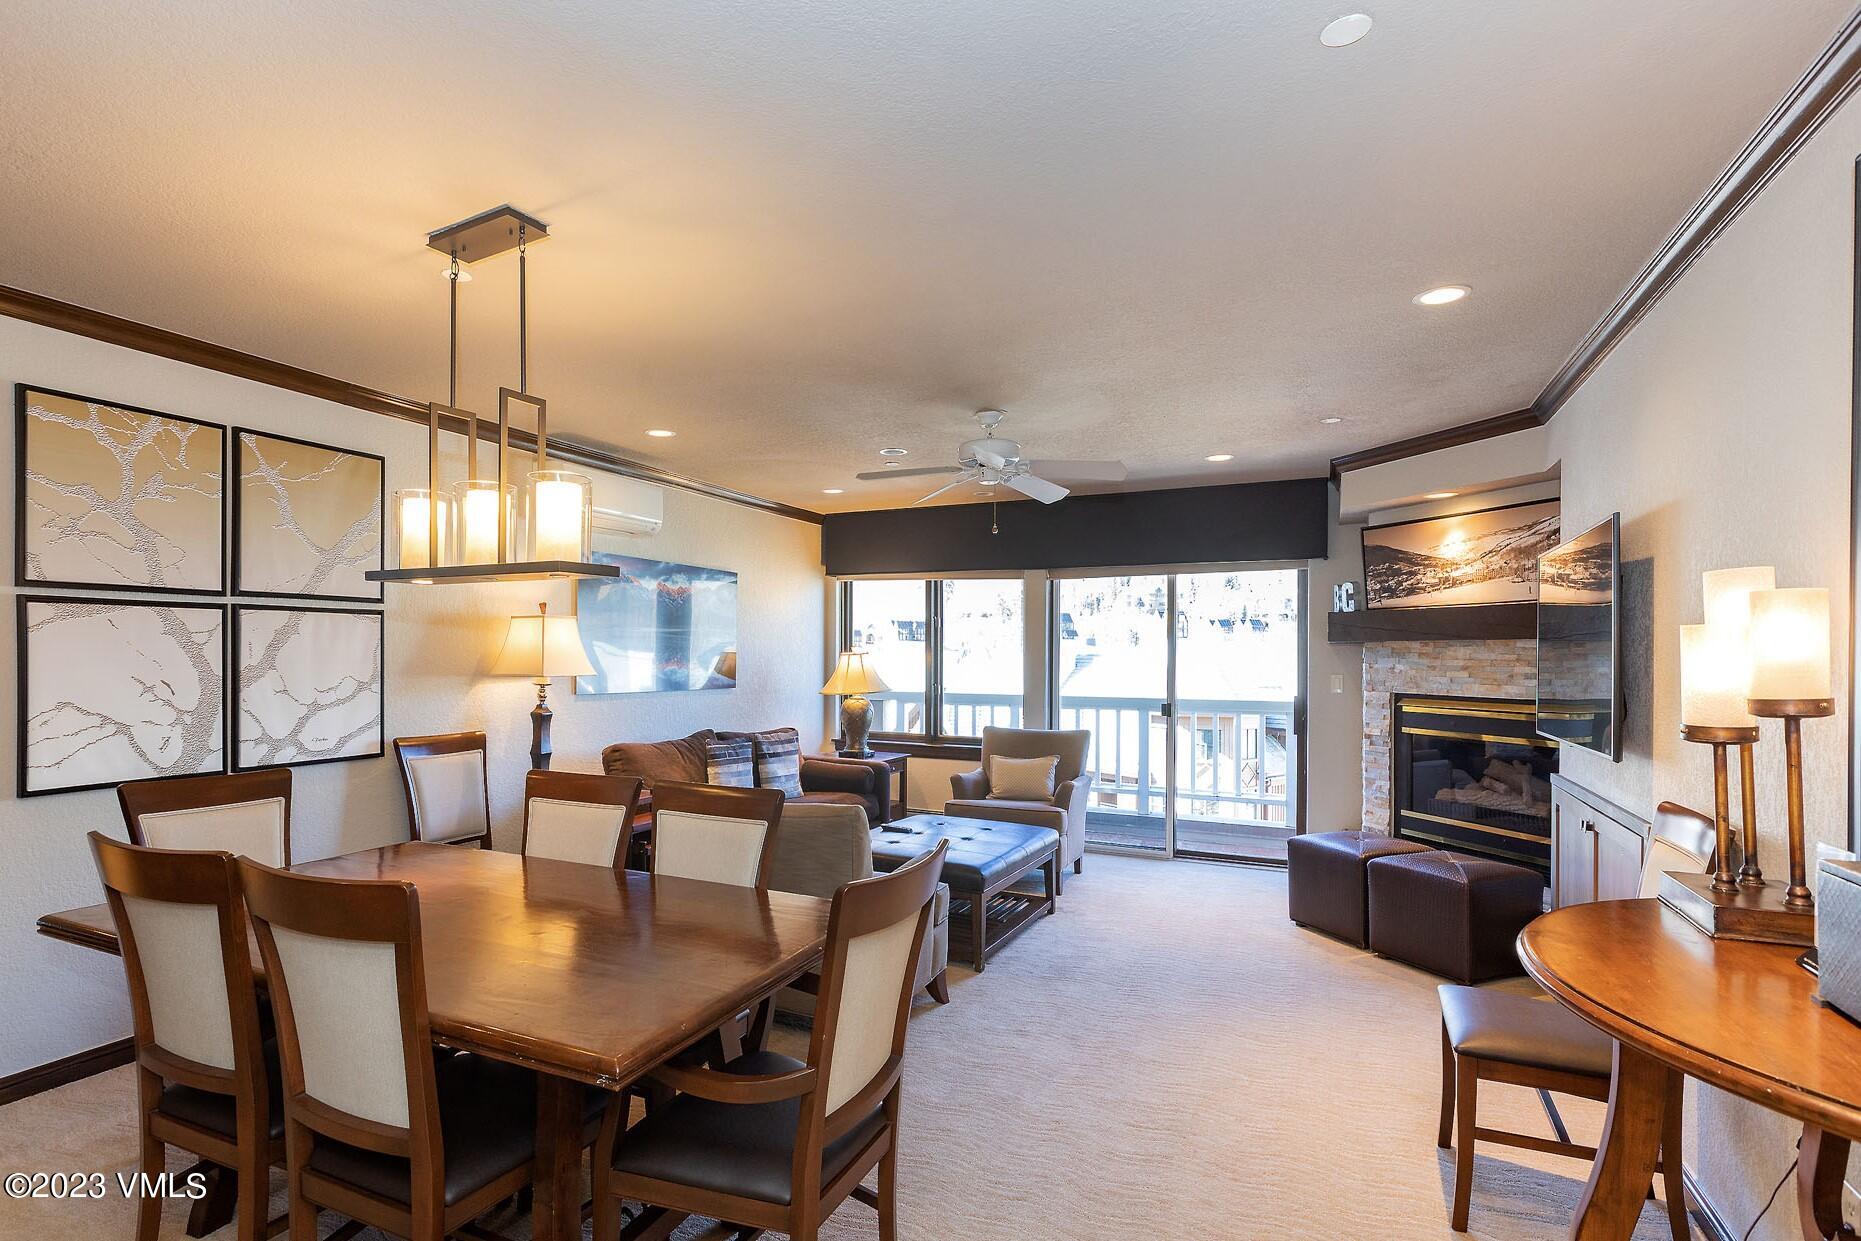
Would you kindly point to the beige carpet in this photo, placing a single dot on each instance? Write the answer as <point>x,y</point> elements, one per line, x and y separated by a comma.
<point>1166,1058</point>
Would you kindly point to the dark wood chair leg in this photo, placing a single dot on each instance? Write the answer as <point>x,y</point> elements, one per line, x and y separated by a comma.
<point>214,1209</point>
<point>1445,1138</point>
<point>1821,1164</point>
<point>1079,864</point>
<point>149,1206</point>
<point>939,987</point>
<point>888,1194</point>
<point>1466,1088</point>
<point>978,930</point>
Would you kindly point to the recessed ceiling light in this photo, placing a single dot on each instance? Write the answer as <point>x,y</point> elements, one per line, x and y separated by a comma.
<point>1445,295</point>
<point>1219,456</point>
<point>1345,30</point>
<point>892,465</point>
<point>893,452</point>
<point>1329,422</point>
<point>1441,495</point>
<point>833,491</point>
<point>659,433</point>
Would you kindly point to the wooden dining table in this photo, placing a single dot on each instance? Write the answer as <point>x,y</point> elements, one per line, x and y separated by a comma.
<point>586,974</point>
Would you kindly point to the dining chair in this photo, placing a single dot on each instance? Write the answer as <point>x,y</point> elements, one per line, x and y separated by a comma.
<point>203,1078</point>
<point>377,1126</point>
<point>247,813</point>
<point>771,1142</point>
<point>1532,1040</point>
<point>722,835</point>
<point>573,816</point>
<point>448,795</point>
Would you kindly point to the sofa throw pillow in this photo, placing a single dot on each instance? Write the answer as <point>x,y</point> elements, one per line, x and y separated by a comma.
<point>778,760</point>
<point>730,763</point>
<point>1022,779</point>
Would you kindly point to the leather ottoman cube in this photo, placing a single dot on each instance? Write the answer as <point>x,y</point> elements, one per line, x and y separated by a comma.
<point>1458,917</point>
<point>1326,885</point>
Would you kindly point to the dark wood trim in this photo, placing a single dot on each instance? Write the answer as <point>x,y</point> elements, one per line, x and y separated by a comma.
<point>1827,84</point>
<point>1485,621</point>
<point>95,324</point>
<point>1703,1212</point>
<point>66,1069</point>
<point>956,751</point>
<point>1434,441</point>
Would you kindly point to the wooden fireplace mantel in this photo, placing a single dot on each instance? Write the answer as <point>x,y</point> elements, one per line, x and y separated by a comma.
<point>1482,622</point>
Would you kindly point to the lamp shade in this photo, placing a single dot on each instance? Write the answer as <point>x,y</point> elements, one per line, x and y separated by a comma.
<point>853,675</point>
<point>1714,670</point>
<point>543,646</point>
<point>1790,644</point>
<point>1728,594</point>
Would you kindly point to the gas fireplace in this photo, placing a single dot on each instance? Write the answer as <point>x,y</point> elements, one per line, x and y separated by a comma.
<point>1469,774</point>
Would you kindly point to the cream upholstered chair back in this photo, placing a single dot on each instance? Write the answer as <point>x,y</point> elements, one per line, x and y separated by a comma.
<point>443,777</point>
<point>720,835</point>
<point>868,974</point>
<point>247,813</point>
<point>576,817</point>
<point>1068,745</point>
<point>183,934</point>
<point>1682,839</point>
<point>343,960</point>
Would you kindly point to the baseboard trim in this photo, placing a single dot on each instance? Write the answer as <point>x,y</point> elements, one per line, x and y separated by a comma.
<point>67,1069</point>
<point>1703,1212</point>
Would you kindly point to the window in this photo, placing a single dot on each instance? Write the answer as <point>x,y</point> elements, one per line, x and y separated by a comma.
<point>972,671</point>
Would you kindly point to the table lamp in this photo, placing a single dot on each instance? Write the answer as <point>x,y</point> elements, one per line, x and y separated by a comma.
<point>853,679</point>
<point>1791,681</point>
<point>540,647</point>
<point>1713,677</point>
<point>1727,595</point>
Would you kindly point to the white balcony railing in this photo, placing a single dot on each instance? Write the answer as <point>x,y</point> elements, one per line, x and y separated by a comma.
<point>1234,758</point>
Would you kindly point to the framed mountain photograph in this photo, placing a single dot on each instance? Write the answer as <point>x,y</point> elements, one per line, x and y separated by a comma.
<point>1488,556</point>
<point>113,497</point>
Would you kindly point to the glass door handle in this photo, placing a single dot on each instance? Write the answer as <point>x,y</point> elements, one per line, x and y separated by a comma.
<point>1166,710</point>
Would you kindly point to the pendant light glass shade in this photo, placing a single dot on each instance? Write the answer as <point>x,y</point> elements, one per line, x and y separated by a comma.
<point>560,515</point>
<point>413,529</point>
<point>481,508</point>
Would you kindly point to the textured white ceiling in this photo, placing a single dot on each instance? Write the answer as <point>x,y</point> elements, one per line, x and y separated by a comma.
<point>797,232</point>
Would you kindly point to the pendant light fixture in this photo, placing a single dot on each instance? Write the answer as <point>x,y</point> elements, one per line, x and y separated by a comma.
<point>482,529</point>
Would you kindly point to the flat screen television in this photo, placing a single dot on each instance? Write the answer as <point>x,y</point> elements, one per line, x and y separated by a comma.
<point>1579,651</point>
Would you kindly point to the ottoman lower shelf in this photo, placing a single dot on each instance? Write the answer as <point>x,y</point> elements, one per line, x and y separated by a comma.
<point>989,867</point>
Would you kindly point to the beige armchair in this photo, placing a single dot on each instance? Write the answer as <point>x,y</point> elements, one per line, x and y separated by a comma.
<point>1065,814</point>
<point>821,846</point>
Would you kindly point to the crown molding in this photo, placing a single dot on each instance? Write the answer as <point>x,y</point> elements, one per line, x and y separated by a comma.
<point>95,324</point>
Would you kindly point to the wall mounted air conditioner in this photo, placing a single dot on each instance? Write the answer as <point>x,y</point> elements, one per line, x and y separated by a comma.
<point>633,508</point>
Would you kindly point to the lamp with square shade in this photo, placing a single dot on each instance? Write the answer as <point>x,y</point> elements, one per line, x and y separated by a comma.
<point>1727,595</point>
<point>541,647</point>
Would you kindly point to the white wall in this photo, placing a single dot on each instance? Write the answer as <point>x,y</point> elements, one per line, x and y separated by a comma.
<point>1720,430</point>
<point>56,999</point>
<point>1333,720</point>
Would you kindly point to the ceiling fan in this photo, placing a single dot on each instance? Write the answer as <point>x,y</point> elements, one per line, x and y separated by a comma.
<point>989,461</point>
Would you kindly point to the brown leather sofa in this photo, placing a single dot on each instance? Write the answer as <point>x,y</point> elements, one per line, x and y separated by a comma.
<point>825,778</point>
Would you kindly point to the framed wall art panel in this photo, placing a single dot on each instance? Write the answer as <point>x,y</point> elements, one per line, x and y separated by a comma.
<point>113,497</point>
<point>306,518</point>
<point>308,685</point>
<point>657,626</point>
<point>112,691</point>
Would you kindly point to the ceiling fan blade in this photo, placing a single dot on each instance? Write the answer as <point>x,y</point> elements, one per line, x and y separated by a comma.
<point>1081,471</point>
<point>995,461</point>
<point>927,469</point>
<point>1038,488</point>
<point>946,487</point>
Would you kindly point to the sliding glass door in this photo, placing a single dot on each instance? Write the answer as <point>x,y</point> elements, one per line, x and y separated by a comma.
<point>1113,680</point>
<point>1189,685</point>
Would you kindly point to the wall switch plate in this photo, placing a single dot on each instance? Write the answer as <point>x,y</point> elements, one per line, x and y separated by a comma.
<point>1337,682</point>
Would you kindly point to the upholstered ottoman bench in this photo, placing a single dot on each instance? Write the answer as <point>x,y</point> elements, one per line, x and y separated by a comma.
<point>1455,916</point>
<point>1325,881</point>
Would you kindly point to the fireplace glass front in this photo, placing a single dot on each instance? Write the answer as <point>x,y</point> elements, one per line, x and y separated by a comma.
<point>1470,775</point>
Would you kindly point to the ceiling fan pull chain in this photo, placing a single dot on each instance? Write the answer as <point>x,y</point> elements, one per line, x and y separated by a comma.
<point>995,526</point>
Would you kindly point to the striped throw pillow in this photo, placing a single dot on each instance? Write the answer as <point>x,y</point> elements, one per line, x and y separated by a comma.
<point>730,763</point>
<point>778,760</point>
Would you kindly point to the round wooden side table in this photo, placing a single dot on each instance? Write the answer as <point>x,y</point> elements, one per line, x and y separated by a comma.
<point>1739,1016</point>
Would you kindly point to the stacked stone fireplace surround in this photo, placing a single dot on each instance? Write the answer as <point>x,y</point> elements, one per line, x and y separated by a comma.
<point>1483,669</point>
